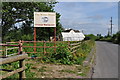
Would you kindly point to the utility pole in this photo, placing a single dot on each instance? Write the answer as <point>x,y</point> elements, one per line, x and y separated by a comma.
<point>108,31</point>
<point>111,25</point>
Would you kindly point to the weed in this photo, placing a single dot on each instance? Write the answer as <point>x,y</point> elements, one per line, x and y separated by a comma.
<point>82,74</point>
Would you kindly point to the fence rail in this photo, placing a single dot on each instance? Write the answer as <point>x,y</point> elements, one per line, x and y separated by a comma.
<point>21,58</point>
<point>12,54</point>
<point>74,44</point>
<point>73,47</point>
<point>35,46</point>
<point>12,59</point>
<point>5,48</point>
<point>9,45</point>
<point>12,48</point>
<point>13,72</point>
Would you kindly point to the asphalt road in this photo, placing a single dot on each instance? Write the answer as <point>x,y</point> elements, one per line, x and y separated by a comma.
<point>106,60</point>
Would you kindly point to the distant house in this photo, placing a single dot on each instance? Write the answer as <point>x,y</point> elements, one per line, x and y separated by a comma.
<point>72,35</point>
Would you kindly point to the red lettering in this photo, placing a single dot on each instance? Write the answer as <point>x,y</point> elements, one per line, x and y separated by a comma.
<point>45,24</point>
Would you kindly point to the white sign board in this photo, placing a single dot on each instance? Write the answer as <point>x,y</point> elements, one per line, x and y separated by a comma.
<point>44,19</point>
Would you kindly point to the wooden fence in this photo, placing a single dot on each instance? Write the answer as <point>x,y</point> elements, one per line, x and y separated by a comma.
<point>5,59</point>
<point>21,57</point>
<point>4,49</point>
<point>35,46</point>
<point>20,70</point>
<point>73,47</point>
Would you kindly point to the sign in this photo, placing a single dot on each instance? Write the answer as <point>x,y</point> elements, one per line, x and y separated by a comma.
<point>44,19</point>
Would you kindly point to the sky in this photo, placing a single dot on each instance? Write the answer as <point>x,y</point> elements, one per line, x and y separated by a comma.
<point>91,17</point>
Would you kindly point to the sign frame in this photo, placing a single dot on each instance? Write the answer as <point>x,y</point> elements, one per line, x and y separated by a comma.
<point>44,19</point>
<point>54,26</point>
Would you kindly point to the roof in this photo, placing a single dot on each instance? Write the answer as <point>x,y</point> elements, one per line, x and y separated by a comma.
<point>68,30</point>
<point>72,34</point>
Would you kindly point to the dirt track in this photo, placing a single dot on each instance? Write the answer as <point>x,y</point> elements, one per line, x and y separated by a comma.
<point>42,70</point>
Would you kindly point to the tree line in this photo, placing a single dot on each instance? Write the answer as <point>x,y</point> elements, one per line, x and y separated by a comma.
<point>115,38</point>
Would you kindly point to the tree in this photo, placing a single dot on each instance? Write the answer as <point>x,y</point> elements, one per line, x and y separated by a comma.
<point>91,36</point>
<point>17,17</point>
<point>116,38</point>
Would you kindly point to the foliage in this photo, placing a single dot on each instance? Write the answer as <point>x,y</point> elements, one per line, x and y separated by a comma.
<point>29,74</point>
<point>14,66</point>
<point>99,37</point>
<point>115,38</point>
<point>62,56</point>
<point>90,36</point>
<point>83,51</point>
<point>27,37</point>
<point>17,20</point>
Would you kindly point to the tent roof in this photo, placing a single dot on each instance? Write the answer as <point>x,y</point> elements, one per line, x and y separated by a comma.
<point>72,34</point>
<point>68,30</point>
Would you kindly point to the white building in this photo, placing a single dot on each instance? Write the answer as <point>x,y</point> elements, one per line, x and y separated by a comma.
<point>72,35</point>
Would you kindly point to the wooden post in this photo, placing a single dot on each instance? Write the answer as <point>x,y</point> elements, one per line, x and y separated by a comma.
<point>12,59</point>
<point>54,39</point>
<point>34,39</point>
<point>5,54</point>
<point>69,44</point>
<point>44,43</point>
<point>20,47</point>
<point>21,62</point>
<point>5,51</point>
<point>22,73</point>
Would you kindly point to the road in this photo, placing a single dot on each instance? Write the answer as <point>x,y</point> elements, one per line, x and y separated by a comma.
<point>106,60</point>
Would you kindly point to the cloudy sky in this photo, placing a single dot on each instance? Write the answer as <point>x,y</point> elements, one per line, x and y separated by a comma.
<point>91,17</point>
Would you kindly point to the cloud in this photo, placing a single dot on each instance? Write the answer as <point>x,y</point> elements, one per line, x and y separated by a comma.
<point>89,28</point>
<point>96,17</point>
<point>92,17</point>
<point>92,7</point>
<point>88,0</point>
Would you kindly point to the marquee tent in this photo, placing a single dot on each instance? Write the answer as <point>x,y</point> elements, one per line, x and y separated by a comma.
<point>73,36</point>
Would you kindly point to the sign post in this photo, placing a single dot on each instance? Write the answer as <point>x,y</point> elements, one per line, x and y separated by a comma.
<point>44,19</point>
<point>55,40</point>
<point>34,39</point>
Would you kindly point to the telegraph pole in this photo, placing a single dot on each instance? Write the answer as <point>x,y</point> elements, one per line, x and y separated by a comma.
<point>108,31</point>
<point>111,25</point>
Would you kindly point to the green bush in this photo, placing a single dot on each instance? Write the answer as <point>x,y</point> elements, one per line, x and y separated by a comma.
<point>83,51</point>
<point>63,55</point>
<point>115,38</point>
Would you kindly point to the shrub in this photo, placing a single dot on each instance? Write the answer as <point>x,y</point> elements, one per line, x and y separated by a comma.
<point>63,55</point>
